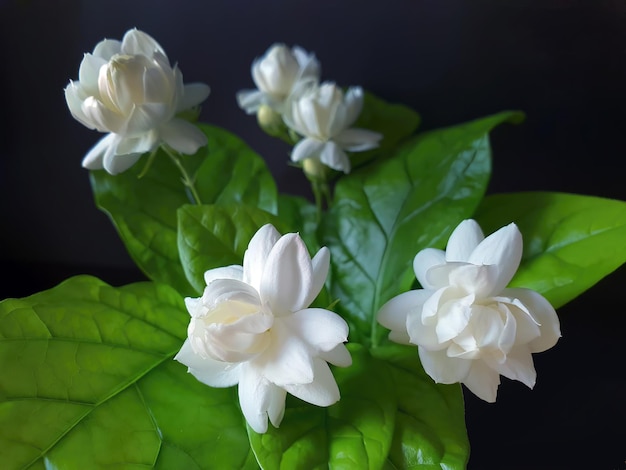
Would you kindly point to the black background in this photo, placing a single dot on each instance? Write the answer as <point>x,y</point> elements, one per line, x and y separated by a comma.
<point>563,62</point>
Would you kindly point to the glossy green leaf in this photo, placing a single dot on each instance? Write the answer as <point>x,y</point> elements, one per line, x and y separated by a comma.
<point>356,432</point>
<point>396,122</point>
<point>570,241</point>
<point>384,213</point>
<point>144,209</point>
<point>299,215</point>
<point>215,236</point>
<point>89,381</point>
<point>430,422</point>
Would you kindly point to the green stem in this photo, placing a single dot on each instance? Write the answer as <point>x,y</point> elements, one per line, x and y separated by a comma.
<point>318,193</point>
<point>187,180</point>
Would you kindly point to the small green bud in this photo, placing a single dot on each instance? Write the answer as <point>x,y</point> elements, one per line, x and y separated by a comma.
<point>270,121</point>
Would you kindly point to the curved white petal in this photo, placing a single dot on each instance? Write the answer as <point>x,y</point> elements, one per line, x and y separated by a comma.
<point>463,241</point>
<point>394,313</point>
<point>276,405</point>
<point>482,381</point>
<point>88,73</point>
<point>357,140</point>
<point>287,359</point>
<point>287,276</point>
<point>74,97</point>
<point>193,95</point>
<point>107,48</point>
<point>518,366</point>
<point>138,42</point>
<point>223,290</point>
<point>100,117</point>
<point>444,369</point>
<point>354,104</point>
<point>183,136</point>
<point>320,265</point>
<point>335,158</point>
<point>423,261</point>
<point>94,158</point>
<point>503,249</point>
<point>453,317</point>
<point>543,313</point>
<point>256,254</point>
<point>145,117</point>
<point>227,272</point>
<point>307,148</point>
<point>196,307</point>
<point>142,143</point>
<point>322,329</point>
<point>480,280</point>
<point>256,394</point>
<point>206,370</point>
<point>250,100</point>
<point>115,164</point>
<point>322,391</point>
<point>339,356</point>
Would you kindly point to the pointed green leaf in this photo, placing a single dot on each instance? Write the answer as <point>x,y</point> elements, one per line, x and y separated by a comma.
<point>570,241</point>
<point>385,213</point>
<point>89,381</point>
<point>144,209</point>
<point>356,432</point>
<point>430,423</point>
<point>215,236</point>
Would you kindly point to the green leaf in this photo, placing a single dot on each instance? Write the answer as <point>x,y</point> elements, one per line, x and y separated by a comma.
<point>396,122</point>
<point>430,423</point>
<point>299,215</point>
<point>143,210</point>
<point>88,381</point>
<point>356,432</point>
<point>385,213</point>
<point>570,241</point>
<point>215,236</point>
<point>233,172</point>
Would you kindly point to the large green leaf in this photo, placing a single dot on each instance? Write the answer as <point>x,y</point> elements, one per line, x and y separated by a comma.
<point>299,215</point>
<point>395,122</point>
<point>144,209</point>
<point>570,241</point>
<point>215,236</point>
<point>430,423</point>
<point>355,433</point>
<point>384,213</point>
<point>88,381</point>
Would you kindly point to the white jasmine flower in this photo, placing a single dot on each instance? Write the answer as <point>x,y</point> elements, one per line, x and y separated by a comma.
<point>279,75</point>
<point>128,89</point>
<point>323,116</point>
<point>468,326</point>
<point>252,327</point>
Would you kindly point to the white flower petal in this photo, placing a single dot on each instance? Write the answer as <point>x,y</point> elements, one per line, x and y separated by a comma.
<point>146,117</point>
<point>339,356</point>
<point>543,313</point>
<point>276,405</point>
<point>107,48</point>
<point>444,369</point>
<point>142,143</point>
<point>463,241</point>
<point>322,391</point>
<point>223,290</point>
<point>227,272</point>
<point>287,359</point>
<point>307,148</point>
<point>322,329</point>
<point>518,366</point>
<point>482,381</point>
<point>357,140</point>
<point>425,260</point>
<point>193,95</point>
<point>453,317</point>
<point>183,136</point>
<point>89,71</point>
<point>394,313</point>
<point>138,42</point>
<point>256,394</point>
<point>503,249</point>
<point>93,159</point>
<point>206,370</point>
<point>320,265</point>
<point>354,104</point>
<point>287,276</point>
<point>115,164</point>
<point>255,257</point>
<point>250,100</point>
<point>335,158</point>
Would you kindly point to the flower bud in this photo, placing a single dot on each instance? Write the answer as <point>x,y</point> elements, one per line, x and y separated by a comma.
<point>270,121</point>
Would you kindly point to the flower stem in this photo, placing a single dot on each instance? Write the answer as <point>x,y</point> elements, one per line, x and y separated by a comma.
<point>186,178</point>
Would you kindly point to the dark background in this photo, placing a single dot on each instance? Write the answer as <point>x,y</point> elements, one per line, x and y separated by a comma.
<point>563,62</point>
